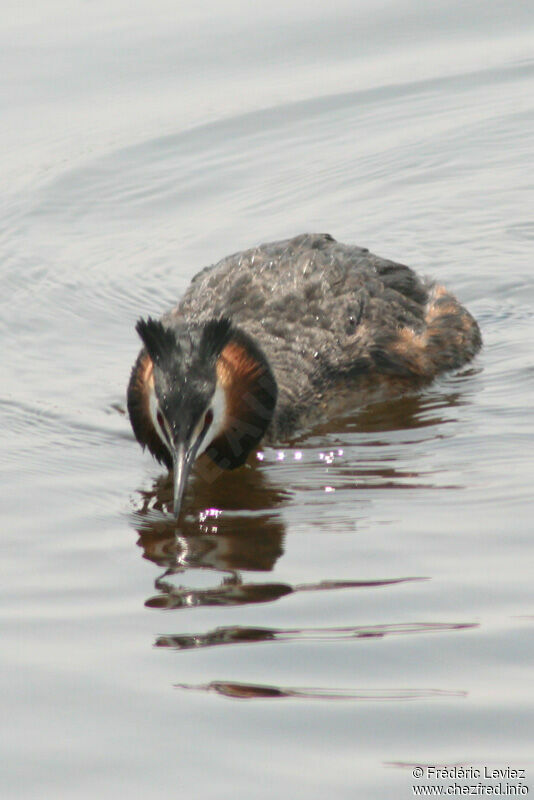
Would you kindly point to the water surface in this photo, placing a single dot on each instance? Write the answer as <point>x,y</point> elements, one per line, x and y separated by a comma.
<point>339,609</point>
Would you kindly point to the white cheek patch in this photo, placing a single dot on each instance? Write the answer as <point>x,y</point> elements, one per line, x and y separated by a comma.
<point>218,408</point>
<point>154,408</point>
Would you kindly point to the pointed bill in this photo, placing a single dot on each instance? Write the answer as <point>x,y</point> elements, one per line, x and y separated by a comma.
<point>181,466</point>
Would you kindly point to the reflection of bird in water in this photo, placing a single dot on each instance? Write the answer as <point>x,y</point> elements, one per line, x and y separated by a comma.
<point>275,338</point>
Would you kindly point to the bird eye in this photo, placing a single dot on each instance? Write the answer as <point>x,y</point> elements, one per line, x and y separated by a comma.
<point>159,417</point>
<point>208,419</point>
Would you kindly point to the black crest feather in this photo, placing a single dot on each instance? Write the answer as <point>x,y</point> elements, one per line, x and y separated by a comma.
<point>159,341</point>
<point>215,335</point>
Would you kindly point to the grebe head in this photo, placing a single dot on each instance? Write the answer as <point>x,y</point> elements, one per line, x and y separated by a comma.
<point>210,389</point>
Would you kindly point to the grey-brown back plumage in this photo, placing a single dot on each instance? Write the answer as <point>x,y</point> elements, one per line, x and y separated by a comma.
<point>329,316</point>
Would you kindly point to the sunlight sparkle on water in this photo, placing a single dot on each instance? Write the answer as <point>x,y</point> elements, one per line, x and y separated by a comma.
<point>209,512</point>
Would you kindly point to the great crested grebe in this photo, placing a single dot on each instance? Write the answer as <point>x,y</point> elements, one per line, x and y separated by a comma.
<point>266,341</point>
